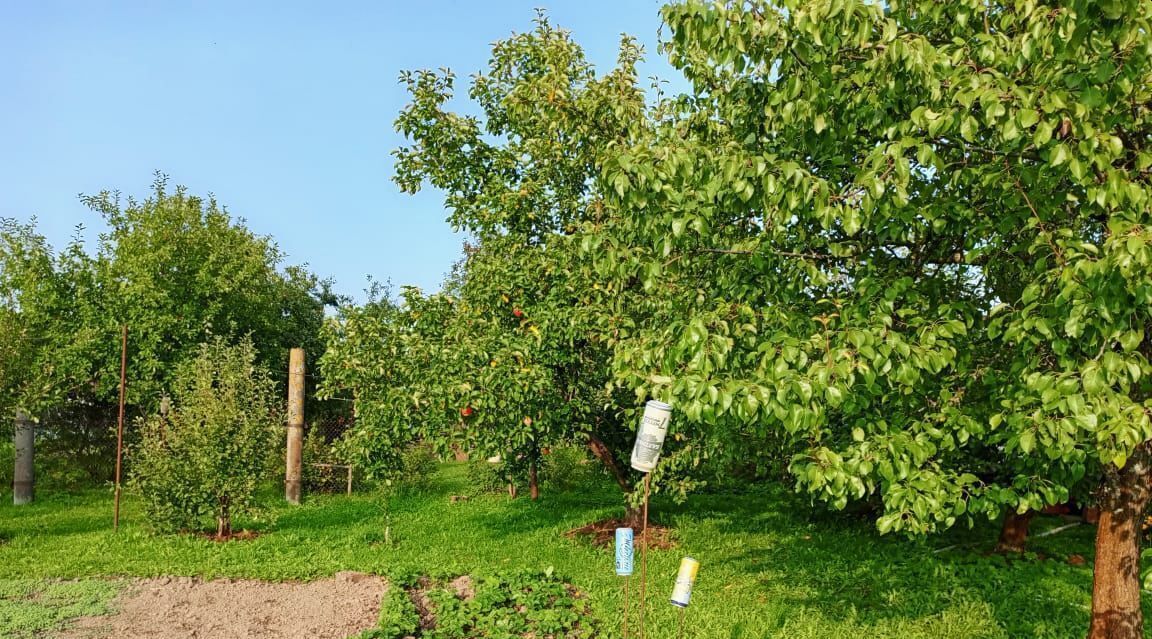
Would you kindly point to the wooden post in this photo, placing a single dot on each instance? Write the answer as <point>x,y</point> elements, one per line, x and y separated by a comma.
<point>293,474</point>
<point>349,479</point>
<point>24,477</point>
<point>120,424</point>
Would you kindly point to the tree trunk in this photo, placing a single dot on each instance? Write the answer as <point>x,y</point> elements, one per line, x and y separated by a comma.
<point>511,490</point>
<point>634,518</point>
<point>223,520</point>
<point>533,482</point>
<point>604,454</point>
<point>1116,610</point>
<point>1014,532</point>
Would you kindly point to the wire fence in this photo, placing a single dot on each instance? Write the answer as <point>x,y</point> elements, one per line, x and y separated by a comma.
<point>325,470</point>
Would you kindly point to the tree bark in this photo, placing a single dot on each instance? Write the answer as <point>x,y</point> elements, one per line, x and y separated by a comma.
<point>533,482</point>
<point>1116,610</point>
<point>634,518</point>
<point>1014,532</point>
<point>223,520</point>
<point>604,454</point>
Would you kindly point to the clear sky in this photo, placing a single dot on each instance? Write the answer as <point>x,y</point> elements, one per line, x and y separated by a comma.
<point>282,109</point>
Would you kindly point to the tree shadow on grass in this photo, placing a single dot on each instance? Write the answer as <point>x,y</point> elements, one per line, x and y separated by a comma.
<point>848,572</point>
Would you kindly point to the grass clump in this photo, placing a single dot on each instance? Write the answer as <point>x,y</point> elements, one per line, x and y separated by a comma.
<point>33,607</point>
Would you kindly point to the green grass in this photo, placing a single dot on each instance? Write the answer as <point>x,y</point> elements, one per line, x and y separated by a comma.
<point>770,568</point>
<point>31,607</point>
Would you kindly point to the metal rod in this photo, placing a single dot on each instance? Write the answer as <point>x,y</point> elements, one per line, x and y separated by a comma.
<point>627,590</point>
<point>680,625</point>
<point>120,423</point>
<point>644,555</point>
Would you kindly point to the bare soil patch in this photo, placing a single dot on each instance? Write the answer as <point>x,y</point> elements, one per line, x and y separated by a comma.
<point>603,533</point>
<point>186,607</point>
<point>239,535</point>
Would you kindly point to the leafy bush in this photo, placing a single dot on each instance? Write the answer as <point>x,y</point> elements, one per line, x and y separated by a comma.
<point>418,463</point>
<point>7,459</point>
<point>208,458</point>
<point>485,477</point>
<point>567,468</point>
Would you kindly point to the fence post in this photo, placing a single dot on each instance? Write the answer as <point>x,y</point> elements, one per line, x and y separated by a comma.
<point>292,475</point>
<point>24,475</point>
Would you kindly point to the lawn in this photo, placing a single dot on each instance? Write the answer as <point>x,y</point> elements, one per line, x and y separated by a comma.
<point>770,568</point>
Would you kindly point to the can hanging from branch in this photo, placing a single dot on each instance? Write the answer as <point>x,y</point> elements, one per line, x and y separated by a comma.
<point>650,436</point>
<point>685,579</point>
<point>624,552</point>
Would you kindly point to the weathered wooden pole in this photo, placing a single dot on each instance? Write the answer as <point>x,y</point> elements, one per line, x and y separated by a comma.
<point>120,424</point>
<point>293,473</point>
<point>24,477</point>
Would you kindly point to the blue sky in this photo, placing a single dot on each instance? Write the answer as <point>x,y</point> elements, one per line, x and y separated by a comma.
<point>283,110</point>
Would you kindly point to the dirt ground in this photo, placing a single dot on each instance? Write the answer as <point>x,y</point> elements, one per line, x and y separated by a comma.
<point>185,607</point>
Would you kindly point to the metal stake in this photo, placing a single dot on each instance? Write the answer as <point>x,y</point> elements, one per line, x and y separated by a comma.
<point>644,555</point>
<point>120,424</point>
<point>627,590</point>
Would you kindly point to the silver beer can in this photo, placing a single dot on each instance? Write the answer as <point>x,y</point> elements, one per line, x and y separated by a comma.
<point>650,436</point>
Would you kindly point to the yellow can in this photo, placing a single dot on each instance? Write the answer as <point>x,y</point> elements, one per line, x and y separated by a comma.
<point>685,579</point>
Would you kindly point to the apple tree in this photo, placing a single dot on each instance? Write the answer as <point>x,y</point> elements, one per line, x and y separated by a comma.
<point>174,267</point>
<point>526,347</point>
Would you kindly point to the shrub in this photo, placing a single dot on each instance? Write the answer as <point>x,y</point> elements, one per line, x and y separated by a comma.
<point>567,468</point>
<point>7,459</point>
<point>485,477</point>
<point>418,463</point>
<point>207,459</point>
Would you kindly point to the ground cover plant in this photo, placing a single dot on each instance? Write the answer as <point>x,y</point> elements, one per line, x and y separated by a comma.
<point>504,605</point>
<point>31,608</point>
<point>770,569</point>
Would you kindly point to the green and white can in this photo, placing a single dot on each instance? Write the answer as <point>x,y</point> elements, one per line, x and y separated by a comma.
<point>650,436</point>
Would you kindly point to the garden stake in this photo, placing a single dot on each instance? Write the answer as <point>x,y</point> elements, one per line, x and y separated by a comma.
<point>627,588</point>
<point>680,626</point>
<point>645,455</point>
<point>120,425</point>
<point>644,555</point>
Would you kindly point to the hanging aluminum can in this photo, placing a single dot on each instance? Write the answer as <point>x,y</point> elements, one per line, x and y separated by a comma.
<point>623,552</point>
<point>685,579</point>
<point>650,436</point>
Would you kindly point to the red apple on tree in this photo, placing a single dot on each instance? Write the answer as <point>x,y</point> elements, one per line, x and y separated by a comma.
<point>466,411</point>
<point>517,312</point>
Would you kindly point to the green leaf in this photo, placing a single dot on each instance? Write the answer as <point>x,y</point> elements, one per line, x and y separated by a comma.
<point>1028,117</point>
